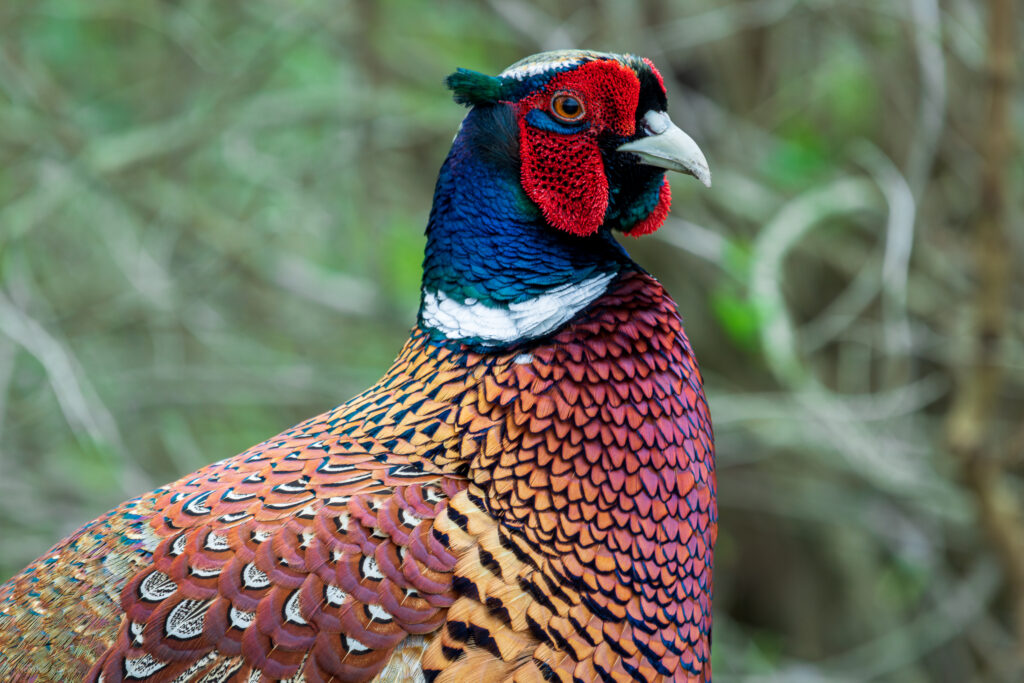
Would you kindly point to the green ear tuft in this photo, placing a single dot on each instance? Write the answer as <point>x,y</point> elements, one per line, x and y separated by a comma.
<point>472,87</point>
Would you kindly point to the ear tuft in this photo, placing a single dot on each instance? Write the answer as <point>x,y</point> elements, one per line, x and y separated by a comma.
<point>472,87</point>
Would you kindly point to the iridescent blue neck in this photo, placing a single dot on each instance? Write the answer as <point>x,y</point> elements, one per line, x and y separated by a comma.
<point>486,241</point>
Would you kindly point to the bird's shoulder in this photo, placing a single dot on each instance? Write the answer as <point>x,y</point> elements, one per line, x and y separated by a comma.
<point>313,544</point>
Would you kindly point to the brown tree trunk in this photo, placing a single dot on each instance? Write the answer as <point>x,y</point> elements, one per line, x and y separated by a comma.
<point>971,438</point>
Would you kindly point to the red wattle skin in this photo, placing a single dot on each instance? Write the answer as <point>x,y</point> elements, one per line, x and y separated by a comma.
<point>657,217</point>
<point>565,177</point>
<point>564,174</point>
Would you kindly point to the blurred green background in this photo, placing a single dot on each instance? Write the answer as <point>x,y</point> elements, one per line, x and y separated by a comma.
<point>211,226</point>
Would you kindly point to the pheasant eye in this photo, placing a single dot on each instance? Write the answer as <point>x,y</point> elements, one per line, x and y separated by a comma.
<point>567,107</point>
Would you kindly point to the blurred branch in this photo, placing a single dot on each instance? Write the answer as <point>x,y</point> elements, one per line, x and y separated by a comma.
<point>889,653</point>
<point>696,239</point>
<point>899,242</point>
<point>956,607</point>
<point>82,408</point>
<point>722,22</point>
<point>997,648</point>
<point>931,112</point>
<point>773,243</point>
<point>35,207</point>
<point>823,409</point>
<point>971,417</point>
<point>8,353</point>
<point>899,401</point>
<point>534,24</point>
<point>337,291</point>
<point>846,308</point>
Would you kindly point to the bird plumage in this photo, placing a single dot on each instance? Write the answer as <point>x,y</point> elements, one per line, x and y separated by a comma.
<point>527,494</point>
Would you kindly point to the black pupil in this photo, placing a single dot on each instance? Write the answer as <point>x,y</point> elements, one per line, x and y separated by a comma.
<point>569,106</point>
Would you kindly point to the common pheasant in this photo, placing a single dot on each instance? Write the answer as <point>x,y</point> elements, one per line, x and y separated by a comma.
<point>527,494</point>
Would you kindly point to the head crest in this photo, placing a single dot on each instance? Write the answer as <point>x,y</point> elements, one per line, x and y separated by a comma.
<point>472,87</point>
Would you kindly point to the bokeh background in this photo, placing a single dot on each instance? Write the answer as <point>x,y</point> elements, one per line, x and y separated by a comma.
<point>211,225</point>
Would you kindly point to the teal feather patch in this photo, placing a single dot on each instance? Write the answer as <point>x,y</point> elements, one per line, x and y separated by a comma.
<point>472,87</point>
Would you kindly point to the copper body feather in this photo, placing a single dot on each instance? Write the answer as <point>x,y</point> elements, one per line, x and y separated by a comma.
<point>542,514</point>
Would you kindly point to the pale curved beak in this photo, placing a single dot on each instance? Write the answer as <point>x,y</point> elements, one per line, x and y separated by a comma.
<point>667,146</point>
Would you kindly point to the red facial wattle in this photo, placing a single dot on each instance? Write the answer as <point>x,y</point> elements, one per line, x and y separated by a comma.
<point>564,174</point>
<point>657,216</point>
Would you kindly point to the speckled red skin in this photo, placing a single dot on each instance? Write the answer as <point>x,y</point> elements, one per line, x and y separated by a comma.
<point>656,218</point>
<point>584,459</point>
<point>564,174</point>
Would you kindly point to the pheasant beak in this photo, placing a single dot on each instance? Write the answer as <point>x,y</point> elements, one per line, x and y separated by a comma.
<point>665,145</point>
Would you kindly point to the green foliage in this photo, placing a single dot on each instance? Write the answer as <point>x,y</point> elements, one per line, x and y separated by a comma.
<point>738,317</point>
<point>799,159</point>
<point>845,85</point>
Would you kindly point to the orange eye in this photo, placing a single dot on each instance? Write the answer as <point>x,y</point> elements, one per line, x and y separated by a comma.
<point>567,107</point>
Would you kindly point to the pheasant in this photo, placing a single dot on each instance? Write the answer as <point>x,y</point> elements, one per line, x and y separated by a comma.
<point>528,493</point>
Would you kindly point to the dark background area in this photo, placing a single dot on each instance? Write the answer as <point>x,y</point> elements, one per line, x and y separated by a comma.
<point>211,226</point>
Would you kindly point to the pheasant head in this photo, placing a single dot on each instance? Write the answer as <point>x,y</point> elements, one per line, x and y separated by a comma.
<point>594,137</point>
<point>557,151</point>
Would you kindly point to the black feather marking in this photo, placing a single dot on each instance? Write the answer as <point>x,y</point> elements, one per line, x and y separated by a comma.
<point>487,560</point>
<point>458,631</point>
<point>617,648</point>
<point>546,671</point>
<point>484,639</point>
<point>605,676</point>
<point>537,631</point>
<point>535,592</point>
<point>508,544</point>
<point>463,586</point>
<point>652,658</point>
<point>633,672</point>
<point>498,610</point>
<point>560,643</point>
<point>460,520</point>
<point>582,631</point>
<point>452,654</point>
